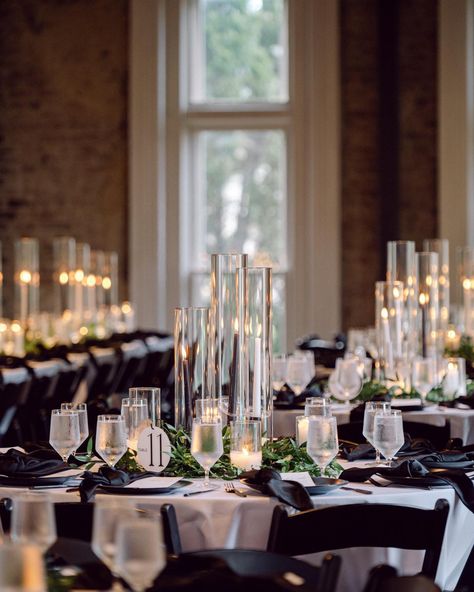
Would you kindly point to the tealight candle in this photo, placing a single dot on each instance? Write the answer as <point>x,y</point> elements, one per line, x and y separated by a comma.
<point>245,459</point>
<point>302,423</point>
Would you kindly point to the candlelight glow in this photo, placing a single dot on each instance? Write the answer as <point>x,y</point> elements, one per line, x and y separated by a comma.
<point>63,277</point>
<point>91,280</point>
<point>16,327</point>
<point>83,331</point>
<point>384,313</point>
<point>126,308</point>
<point>466,284</point>
<point>451,333</point>
<point>25,276</point>
<point>79,275</point>
<point>106,283</point>
<point>423,299</point>
<point>3,327</point>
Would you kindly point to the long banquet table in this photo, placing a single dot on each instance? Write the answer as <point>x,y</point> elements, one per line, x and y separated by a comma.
<point>221,520</point>
<point>461,420</point>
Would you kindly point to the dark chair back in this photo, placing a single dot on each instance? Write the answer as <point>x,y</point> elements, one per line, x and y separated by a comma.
<point>383,578</point>
<point>170,529</point>
<point>246,562</point>
<point>361,525</point>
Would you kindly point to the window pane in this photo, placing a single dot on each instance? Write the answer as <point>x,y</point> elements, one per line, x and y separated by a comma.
<point>244,51</point>
<point>241,198</point>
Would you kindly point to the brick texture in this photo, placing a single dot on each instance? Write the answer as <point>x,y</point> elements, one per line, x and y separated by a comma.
<point>362,256</point>
<point>63,145</point>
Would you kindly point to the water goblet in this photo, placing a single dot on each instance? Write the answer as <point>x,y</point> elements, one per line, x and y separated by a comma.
<point>152,395</point>
<point>64,433</point>
<point>135,414</point>
<point>322,445</point>
<point>298,373</point>
<point>111,438</point>
<point>81,409</point>
<point>388,433</point>
<point>33,521</point>
<point>279,371</point>
<point>345,383</point>
<point>140,551</point>
<point>424,376</point>
<point>317,406</point>
<point>206,443</point>
<point>371,408</point>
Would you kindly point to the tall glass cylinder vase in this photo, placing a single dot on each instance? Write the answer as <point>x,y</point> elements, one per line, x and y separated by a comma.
<point>191,362</point>
<point>389,317</point>
<point>441,247</point>
<point>227,337</point>
<point>110,278</point>
<point>430,345</point>
<point>258,333</point>
<point>64,254</point>
<point>83,262</point>
<point>27,279</point>
<point>401,267</point>
<point>466,276</point>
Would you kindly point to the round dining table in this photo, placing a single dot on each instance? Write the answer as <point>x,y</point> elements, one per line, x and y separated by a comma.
<point>218,519</point>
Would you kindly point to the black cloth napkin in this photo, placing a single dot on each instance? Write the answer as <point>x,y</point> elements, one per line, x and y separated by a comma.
<point>411,447</point>
<point>106,476</point>
<point>269,482</point>
<point>38,463</point>
<point>460,403</point>
<point>423,466</point>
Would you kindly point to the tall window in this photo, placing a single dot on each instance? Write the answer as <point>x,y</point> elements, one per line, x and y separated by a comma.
<point>235,119</point>
<point>240,110</point>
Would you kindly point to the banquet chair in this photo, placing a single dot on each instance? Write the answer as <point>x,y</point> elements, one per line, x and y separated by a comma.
<point>361,525</point>
<point>247,562</point>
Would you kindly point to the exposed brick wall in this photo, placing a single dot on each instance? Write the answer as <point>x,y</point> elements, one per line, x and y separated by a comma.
<point>362,255</point>
<point>63,145</point>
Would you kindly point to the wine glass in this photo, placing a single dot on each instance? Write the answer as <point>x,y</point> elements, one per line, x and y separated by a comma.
<point>152,395</point>
<point>135,413</point>
<point>279,371</point>
<point>371,408</point>
<point>298,373</point>
<point>141,553</point>
<point>64,433</point>
<point>206,444</point>
<point>111,438</point>
<point>345,383</point>
<point>81,409</point>
<point>424,376</point>
<point>317,406</point>
<point>322,444</point>
<point>388,433</point>
<point>22,568</point>
<point>33,521</point>
<point>107,515</point>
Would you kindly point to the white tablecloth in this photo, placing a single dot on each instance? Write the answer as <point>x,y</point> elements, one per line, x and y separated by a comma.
<point>218,519</point>
<point>461,420</point>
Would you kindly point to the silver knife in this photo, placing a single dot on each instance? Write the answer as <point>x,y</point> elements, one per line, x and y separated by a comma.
<point>198,492</point>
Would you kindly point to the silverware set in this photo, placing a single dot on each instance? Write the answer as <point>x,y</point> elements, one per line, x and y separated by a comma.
<point>230,488</point>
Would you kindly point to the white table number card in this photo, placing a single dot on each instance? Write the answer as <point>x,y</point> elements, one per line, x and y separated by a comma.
<point>154,450</point>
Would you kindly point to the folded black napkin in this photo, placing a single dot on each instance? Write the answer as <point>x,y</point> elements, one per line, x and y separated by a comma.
<point>38,463</point>
<point>107,476</point>
<point>412,446</point>
<point>269,482</point>
<point>460,403</point>
<point>430,466</point>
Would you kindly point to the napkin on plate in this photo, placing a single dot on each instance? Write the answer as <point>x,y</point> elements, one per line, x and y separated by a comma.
<point>269,482</point>
<point>39,463</point>
<point>106,476</point>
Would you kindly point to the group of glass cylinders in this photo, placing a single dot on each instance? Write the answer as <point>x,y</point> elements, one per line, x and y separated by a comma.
<point>223,353</point>
<point>85,295</point>
<point>412,309</point>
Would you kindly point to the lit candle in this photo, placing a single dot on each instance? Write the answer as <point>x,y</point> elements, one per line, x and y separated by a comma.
<point>257,378</point>
<point>302,424</point>
<point>453,339</point>
<point>18,339</point>
<point>128,317</point>
<point>451,380</point>
<point>245,459</point>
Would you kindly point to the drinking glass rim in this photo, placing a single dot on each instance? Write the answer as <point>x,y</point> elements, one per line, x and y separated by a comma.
<point>208,421</point>
<point>245,422</point>
<point>321,418</point>
<point>138,401</point>
<point>74,407</point>
<point>368,404</point>
<point>390,412</point>
<point>64,412</point>
<point>110,418</point>
<point>142,389</point>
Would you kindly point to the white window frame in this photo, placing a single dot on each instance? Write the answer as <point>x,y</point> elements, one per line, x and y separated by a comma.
<point>158,253</point>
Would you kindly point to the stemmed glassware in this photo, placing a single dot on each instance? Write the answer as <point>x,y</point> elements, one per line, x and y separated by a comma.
<point>424,376</point>
<point>388,433</point>
<point>33,521</point>
<point>64,434</point>
<point>81,410</point>
<point>206,443</point>
<point>322,445</point>
<point>298,373</point>
<point>371,409</point>
<point>111,438</point>
<point>345,383</point>
<point>140,551</point>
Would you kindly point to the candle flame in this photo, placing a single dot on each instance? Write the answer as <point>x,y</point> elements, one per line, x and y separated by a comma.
<point>423,298</point>
<point>245,451</point>
<point>236,325</point>
<point>384,313</point>
<point>126,308</point>
<point>184,353</point>
<point>466,284</point>
<point>91,280</point>
<point>63,277</point>
<point>106,283</point>
<point>79,275</point>
<point>25,276</point>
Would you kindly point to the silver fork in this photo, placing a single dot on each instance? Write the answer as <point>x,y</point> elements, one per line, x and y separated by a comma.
<point>230,488</point>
